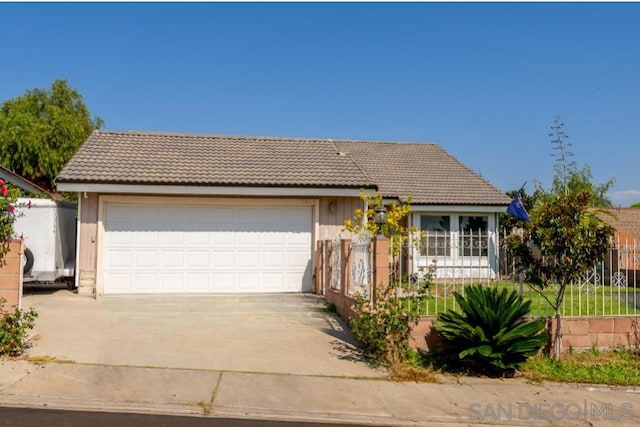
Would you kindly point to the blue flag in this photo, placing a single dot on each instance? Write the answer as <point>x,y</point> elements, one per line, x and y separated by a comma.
<point>516,208</point>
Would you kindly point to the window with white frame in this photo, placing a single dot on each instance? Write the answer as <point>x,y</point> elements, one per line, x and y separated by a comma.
<point>454,235</point>
<point>437,239</point>
<point>473,235</point>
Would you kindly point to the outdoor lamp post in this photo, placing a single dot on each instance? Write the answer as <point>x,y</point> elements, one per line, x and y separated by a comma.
<point>380,217</point>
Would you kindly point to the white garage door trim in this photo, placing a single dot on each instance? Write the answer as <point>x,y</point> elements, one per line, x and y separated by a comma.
<point>244,206</point>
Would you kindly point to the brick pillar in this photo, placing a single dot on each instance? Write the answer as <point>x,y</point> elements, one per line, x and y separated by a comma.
<point>380,265</point>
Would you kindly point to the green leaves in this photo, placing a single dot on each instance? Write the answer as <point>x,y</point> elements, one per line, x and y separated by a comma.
<point>490,333</point>
<point>13,329</point>
<point>41,130</point>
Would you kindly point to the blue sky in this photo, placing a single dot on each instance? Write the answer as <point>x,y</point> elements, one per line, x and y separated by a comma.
<point>482,80</point>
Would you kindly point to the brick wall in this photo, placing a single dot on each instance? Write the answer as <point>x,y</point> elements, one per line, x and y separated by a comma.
<point>11,275</point>
<point>579,333</point>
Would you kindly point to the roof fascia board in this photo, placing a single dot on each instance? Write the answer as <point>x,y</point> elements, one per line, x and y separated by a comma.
<point>458,208</point>
<point>207,190</point>
<point>21,182</point>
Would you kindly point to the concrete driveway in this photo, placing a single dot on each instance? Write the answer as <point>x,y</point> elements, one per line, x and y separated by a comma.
<point>283,333</point>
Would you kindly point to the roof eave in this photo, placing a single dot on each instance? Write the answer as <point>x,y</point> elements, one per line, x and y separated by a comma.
<point>213,190</point>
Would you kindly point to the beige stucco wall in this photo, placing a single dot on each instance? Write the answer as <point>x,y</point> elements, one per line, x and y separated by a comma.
<point>332,219</point>
<point>328,221</point>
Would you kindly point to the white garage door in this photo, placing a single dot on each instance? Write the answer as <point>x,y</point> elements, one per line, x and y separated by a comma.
<point>206,249</point>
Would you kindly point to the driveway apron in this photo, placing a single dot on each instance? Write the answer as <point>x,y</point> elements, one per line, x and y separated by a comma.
<point>273,333</point>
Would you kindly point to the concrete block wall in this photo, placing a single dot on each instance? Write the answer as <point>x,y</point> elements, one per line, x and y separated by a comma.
<point>579,333</point>
<point>11,275</point>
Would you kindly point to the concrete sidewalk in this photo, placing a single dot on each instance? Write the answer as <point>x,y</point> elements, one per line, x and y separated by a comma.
<point>208,393</point>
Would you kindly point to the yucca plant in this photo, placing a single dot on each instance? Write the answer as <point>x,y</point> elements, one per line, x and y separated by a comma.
<point>490,333</point>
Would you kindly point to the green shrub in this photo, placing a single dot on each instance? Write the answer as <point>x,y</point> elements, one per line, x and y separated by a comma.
<point>383,327</point>
<point>490,334</point>
<point>14,327</point>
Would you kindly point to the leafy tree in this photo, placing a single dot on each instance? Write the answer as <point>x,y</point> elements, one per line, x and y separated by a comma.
<point>580,181</point>
<point>42,129</point>
<point>636,205</point>
<point>570,239</point>
<point>490,333</point>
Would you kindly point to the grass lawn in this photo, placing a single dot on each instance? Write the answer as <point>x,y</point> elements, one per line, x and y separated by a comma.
<point>614,367</point>
<point>579,300</point>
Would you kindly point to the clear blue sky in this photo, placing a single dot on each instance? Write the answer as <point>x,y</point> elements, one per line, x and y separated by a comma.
<point>482,80</point>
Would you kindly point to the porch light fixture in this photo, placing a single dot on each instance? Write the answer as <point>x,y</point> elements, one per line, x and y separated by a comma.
<point>380,217</point>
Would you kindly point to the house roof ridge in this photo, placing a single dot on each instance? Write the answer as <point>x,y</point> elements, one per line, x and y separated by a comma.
<point>355,163</point>
<point>253,137</point>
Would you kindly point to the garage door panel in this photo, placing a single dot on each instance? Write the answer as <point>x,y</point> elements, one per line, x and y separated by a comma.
<point>273,258</point>
<point>197,239</point>
<point>297,239</point>
<point>223,282</point>
<point>171,237</point>
<point>119,258</point>
<point>197,282</point>
<point>297,258</point>
<point>250,259</point>
<point>146,281</point>
<point>146,258</point>
<point>247,238</point>
<point>221,238</point>
<point>197,259</point>
<point>149,238</point>
<point>273,238</point>
<point>123,238</point>
<point>166,248</point>
<point>272,281</point>
<point>248,281</point>
<point>171,259</point>
<point>292,279</point>
<point>222,259</point>
<point>119,282</point>
<point>172,282</point>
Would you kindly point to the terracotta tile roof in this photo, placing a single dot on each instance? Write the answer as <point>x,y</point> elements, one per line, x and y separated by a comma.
<point>423,170</point>
<point>625,220</point>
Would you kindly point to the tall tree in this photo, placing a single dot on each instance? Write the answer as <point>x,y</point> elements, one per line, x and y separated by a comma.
<point>562,153</point>
<point>42,129</point>
<point>568,235</point>
<point>568,178</point>
<point>571,239</point>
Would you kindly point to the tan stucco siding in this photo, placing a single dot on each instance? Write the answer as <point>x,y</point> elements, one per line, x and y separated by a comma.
<point>332,218</point>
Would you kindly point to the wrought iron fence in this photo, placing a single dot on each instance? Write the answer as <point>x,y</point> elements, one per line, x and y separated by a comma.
<point>457,261</point>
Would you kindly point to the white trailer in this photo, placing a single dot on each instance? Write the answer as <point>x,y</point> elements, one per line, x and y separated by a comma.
<point>49,231</point>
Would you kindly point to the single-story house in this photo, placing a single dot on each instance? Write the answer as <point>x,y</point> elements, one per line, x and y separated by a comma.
<point>181,213</point>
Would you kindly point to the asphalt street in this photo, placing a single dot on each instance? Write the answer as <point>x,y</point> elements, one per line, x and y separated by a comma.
<point>26,417</point>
